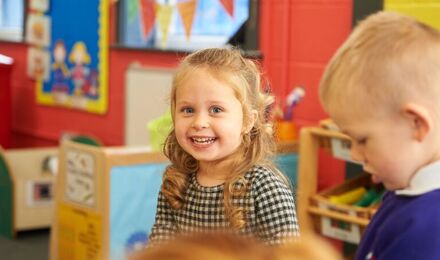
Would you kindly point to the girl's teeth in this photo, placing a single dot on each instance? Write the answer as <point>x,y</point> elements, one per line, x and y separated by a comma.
<point>203,140</point>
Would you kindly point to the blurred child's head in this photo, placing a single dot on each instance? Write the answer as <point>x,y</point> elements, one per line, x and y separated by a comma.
<point>219,115</point>
<point>223,246</point>
<point>381,88</point>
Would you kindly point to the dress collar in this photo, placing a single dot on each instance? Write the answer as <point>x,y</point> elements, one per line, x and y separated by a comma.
<point>425,180</point>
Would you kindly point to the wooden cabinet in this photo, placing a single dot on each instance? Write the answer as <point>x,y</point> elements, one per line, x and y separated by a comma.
<point>316,212</point>
<point>311,140</point>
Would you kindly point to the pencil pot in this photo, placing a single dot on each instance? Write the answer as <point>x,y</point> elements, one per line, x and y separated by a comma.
<point>285,131</point>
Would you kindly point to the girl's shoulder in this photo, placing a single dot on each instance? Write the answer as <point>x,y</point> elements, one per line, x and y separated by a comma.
<point>259,171</point>
<point>264,182</point>
<point>260,175</point>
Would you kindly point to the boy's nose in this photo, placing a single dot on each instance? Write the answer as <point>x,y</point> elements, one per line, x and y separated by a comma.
<point>356,153</point>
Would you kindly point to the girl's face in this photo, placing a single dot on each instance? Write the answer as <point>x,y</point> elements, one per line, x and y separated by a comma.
<point>208,117</point>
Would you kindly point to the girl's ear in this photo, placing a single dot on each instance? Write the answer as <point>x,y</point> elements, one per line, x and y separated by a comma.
<point>250,121</point>
<point>419,118</point>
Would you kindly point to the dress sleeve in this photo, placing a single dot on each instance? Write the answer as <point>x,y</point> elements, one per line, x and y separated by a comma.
<point>275,210</point>
<point>164,226</point>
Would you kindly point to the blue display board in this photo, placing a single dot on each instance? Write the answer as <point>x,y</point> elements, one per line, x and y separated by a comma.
<point>133,200</point>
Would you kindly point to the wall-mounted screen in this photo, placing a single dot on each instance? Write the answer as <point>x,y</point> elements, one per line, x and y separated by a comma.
<point>185,25</point>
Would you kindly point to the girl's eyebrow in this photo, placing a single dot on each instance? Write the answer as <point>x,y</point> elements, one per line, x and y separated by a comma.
<point>209,102</point>
<point>183,103</point>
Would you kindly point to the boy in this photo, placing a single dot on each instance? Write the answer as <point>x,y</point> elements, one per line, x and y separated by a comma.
<point>382,88</point>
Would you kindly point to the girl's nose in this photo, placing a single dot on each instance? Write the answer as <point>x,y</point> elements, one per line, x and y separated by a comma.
<point>200,122</point>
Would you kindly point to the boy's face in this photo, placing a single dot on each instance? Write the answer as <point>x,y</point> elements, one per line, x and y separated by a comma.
<point>384,144</point>
<point>208,117</point>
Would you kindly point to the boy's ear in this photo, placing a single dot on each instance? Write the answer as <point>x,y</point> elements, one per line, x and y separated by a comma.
<point>420,120</point>
<point>250,122</point>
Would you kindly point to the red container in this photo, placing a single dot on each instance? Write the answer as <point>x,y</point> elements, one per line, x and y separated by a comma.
<point>5,100</point>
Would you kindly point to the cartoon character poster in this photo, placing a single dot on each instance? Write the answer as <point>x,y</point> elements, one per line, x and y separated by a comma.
<point>78,56</point>
<point>38,63</point>
<point>38,30</point>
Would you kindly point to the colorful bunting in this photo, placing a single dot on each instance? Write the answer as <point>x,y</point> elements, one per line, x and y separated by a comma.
<point>163,16</point>
<point>133,7</point>
<point>148,16</point>
<point>161,13</point>
<point>187,11</point>
<point>229,6</point>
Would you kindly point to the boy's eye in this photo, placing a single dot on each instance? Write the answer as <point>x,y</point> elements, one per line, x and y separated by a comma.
<point>216,110</point>
<point>361,141</point>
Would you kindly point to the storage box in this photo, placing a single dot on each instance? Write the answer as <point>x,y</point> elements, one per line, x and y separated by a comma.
<point>344,222</point>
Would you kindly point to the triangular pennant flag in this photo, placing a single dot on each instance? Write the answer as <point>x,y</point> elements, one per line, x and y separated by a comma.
<point>132,6</point>
<point>148,16</point>
<point>163,17</point>
<point>229,6</point>
<point>187,10</point>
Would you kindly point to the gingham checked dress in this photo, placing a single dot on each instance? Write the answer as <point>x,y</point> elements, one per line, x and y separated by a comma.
<point>268,203</point>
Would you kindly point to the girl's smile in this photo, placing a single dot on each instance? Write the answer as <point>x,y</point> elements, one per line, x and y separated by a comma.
<point>202,141</point>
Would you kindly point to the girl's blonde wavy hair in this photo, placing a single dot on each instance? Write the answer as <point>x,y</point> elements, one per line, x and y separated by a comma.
<point>258,146</point>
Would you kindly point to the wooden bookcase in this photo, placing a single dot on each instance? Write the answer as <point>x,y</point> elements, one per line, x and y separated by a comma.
<point>311,140</point>
<point>315,212</point>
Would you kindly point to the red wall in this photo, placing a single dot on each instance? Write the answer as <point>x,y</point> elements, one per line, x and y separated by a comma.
<point>297,38</point>
<point>5,103</point>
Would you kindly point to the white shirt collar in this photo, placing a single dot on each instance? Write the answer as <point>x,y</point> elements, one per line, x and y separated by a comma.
<point>425,180</point>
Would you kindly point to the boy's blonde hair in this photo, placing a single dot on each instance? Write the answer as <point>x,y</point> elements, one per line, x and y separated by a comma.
<point>387,60</point>
<point>243,76</point>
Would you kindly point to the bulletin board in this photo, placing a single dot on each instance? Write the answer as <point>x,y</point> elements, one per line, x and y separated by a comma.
<point>78,48</point>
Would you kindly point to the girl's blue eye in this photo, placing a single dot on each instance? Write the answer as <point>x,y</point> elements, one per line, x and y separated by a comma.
<point>216,110</point>
<point>187,110</point>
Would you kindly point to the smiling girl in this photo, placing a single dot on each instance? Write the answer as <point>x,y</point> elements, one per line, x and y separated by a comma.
<point>221,175</point>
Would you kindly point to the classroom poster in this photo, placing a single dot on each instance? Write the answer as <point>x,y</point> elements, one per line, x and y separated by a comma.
<point>38,30</point>
<point>79,233</point>
<point>38,63</point>
<point>39,5</point>
<point>80,178</point>
<point>78,56</point>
